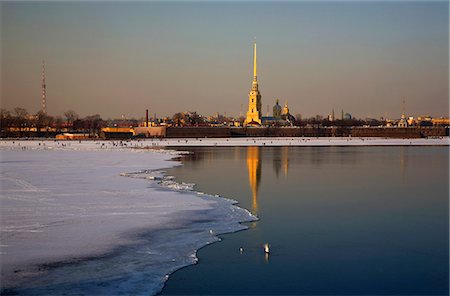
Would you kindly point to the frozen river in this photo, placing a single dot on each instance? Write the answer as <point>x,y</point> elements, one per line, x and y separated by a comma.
<point>95,218</point>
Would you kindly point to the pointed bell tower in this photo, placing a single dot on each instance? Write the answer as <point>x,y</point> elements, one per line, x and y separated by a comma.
<point>254,98</point>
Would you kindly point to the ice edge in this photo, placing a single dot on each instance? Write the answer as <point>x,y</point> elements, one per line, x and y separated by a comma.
<point>167,182</point>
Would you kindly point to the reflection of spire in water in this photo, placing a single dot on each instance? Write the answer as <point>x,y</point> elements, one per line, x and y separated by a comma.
<point>285,160</point>
<point>254,173</point>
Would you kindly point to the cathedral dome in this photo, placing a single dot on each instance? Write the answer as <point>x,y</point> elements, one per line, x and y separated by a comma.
<point>277,110</point>
<point>285,109</point>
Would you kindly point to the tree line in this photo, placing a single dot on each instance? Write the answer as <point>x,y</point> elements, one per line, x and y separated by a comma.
<point>19,122</point>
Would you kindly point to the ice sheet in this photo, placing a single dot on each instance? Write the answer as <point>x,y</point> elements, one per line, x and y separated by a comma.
<point>100,219</point>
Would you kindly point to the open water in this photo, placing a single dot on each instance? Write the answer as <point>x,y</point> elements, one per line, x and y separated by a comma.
<point>339,220</point>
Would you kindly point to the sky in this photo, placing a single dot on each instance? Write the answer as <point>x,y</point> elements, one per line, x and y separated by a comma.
<point>120,58</point>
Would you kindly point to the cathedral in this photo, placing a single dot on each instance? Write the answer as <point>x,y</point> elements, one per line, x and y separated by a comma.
<point>280,116</point>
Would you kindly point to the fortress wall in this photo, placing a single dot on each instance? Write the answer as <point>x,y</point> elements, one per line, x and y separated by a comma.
<point>282,132</point>
<point>399,132</point>
<point>198,132</point>
<point>389,132</point>
<point>225,132</point>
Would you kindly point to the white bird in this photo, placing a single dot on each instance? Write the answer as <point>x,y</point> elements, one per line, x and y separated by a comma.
<point>266,248</point>
<point>241,250</point>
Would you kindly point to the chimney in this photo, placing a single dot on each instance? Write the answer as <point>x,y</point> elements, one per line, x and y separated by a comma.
<point>146,117</point>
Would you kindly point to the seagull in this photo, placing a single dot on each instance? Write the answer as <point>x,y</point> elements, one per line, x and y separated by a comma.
<point>266,248</point>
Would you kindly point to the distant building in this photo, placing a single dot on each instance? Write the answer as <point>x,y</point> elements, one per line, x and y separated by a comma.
<point>69,136</point>
<point>441,121</point>
<point>347,116</point>
<point>403,122</point>
<point>116,132</point>
<point>331,116</point>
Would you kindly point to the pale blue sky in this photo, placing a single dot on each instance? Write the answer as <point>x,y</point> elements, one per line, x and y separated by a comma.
<point>116,58</point>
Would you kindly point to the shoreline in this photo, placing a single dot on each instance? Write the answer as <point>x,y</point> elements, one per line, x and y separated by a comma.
<point>243,142</point>
<point>300,142</point>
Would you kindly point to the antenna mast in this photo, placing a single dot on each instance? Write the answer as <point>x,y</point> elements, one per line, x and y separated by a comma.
<point>403,107</point>
<point>44,90</point>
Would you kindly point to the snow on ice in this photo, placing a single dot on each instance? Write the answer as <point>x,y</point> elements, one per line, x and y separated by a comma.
<point>100,218</point>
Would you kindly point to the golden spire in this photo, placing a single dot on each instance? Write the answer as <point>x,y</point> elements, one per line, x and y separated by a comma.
<point>254,98</point>
<point>254,61</point>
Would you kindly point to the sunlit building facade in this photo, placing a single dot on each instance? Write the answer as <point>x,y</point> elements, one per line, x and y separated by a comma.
<point>254,98</point>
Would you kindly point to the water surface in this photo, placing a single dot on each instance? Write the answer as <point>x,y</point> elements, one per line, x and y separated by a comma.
<point>340,220</point>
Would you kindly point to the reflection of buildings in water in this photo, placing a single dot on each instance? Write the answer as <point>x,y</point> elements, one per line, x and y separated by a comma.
<point>254,173</point>
<point>318,156</point>
<point>403,163</point>
<point>276,162</point>
<point>238,154</point>
<point>285,159</point>
<point>281,160</point>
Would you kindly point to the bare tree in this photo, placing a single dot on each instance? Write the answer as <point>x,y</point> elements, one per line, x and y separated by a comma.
<point>20,119</point>
<point>43,121</point>
<point>58,123</point>
<point>94,123</point>
<point>71,116</point>
<point>5,119</point>
<point>178,118</point>
<point>20,112</point>
<point>4,113</point>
